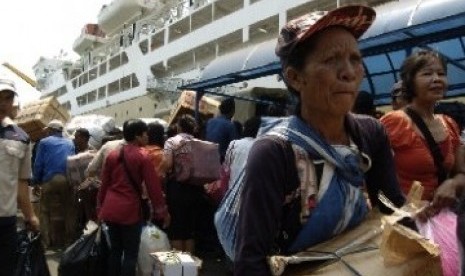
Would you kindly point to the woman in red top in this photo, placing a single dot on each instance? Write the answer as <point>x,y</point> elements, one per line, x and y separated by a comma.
<point>119,203</point>
<point>424,83</point>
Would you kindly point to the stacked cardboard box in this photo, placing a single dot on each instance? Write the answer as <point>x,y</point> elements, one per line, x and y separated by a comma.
<point>357,252</point>
<point>34,116</point>
<point>172,263</point>
<point>208,107</point>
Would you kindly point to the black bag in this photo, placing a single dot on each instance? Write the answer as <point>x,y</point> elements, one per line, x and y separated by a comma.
<point>144,203</point>
<point>87,256</point>
<point>433,147</point>
<point>31,256</point>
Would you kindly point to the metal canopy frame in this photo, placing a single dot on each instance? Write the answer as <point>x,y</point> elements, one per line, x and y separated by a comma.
<point>383,52</point>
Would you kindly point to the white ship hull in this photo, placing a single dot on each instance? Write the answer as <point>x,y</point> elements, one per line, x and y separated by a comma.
<point>133,73</point>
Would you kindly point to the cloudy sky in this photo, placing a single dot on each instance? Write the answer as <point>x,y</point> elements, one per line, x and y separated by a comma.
<point>30,28</point>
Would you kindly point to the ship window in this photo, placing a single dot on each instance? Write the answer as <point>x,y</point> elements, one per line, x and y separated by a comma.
<point>126,83</point>
<point>140,109</point>
<point>134,80</point>
<point>144,46</point>
<point>115,62</point>
<point>113,88</point>
<point>66,105</point>
<point>124,58</point>
<point>101,92</point>
<point>103,68</point>
<point>127,112</point>
<point>93,74</point>
<point>86,78</point>
<point>81,81</point>
<point>62,91</point>
<point>82,100</point>
<point>91,96</point>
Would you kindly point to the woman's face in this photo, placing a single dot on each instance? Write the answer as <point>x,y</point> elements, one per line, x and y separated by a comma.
<point>329,81</point>
<point>430,82</point>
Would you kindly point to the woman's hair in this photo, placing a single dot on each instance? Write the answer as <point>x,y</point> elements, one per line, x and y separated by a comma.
<point>187,124</point>
<point>251,126</point>
<point>414,63</point>
<point>133,128</point>
<point>156,133</point>
<point>297,60</point>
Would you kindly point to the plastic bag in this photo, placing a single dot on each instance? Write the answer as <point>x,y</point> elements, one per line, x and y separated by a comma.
<point>441,229</point>
<point>152,240</point>
<point>31,256</point>
<point>87,256</point>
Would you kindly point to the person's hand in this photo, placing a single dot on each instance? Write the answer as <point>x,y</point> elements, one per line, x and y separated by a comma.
<point>446,194</point>
<point>36,191</point>
<point>166,221</point>
<point>33,224</point>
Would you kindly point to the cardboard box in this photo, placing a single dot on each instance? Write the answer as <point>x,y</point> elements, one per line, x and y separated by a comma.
<point>172,263</point>
<point>358,250</point>
<point>34,116</point>
<point>208,107</point>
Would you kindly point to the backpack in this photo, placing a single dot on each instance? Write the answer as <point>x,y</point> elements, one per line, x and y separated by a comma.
<point>227,215</point>
<point>196,162</point>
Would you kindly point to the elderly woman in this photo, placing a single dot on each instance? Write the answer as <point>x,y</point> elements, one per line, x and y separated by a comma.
<point>426,145</point>
<point>305,177</point>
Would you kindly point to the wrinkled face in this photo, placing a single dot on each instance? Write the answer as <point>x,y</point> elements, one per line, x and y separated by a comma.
<point>430,82</point>
<point>6,103</point>
<point>329,81</point>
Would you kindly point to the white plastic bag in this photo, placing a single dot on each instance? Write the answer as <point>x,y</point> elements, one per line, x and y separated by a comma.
<point>152,239</point>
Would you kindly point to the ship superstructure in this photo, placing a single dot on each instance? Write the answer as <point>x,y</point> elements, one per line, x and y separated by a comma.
<point>132,61</point>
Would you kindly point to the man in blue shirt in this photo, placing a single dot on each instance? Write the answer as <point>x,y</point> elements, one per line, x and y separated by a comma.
<point>56,197</point>
<point>221,129</point>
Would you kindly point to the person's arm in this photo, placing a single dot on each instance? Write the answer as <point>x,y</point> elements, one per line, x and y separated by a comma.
<point>382,176</point>
<point>38,172</point>
<point>106,180</point>
<point>155,192</point>
<point>261,207</point>
<point>167,162</point>
<point>451,189</point>
<point>24,203</point>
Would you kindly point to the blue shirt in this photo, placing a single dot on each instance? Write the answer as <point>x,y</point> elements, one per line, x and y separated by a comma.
<point>222,131</point>
<point>51,156</point>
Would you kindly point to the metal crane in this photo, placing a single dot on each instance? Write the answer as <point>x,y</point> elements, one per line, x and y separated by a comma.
<point>20,74</point>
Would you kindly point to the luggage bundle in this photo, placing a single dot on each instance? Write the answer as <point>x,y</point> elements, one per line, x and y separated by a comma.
<point>186,104</point>
<point>35,116</point>
<point>31,256</point>
<point>87,256</point>
<point>196,162</point>
<point>97,125</point>
<point>76,166</point>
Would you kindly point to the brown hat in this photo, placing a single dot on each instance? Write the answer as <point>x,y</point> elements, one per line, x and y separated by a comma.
<point>356,19</point>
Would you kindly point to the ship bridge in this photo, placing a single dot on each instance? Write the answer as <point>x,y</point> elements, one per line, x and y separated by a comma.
<point>400,28</point>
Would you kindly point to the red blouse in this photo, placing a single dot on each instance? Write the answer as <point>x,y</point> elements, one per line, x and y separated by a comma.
<point>117,198</point>
<point>412,156</point>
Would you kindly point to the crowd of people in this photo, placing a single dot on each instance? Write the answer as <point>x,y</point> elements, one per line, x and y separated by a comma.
<point>307,177</point>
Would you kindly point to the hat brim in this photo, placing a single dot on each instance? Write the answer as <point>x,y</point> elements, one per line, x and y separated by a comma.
<point>355,18</point>
<point>7,88</point>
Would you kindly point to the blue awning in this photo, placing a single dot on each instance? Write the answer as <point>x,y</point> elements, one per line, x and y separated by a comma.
<point>400,27</point>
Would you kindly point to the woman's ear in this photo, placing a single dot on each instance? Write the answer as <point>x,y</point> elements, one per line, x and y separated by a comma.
<point>293,78</point>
